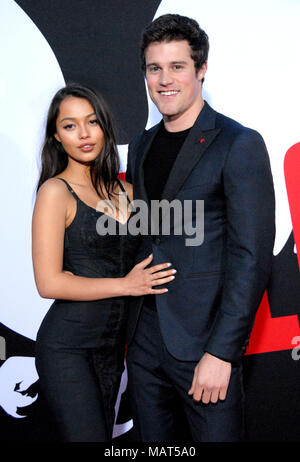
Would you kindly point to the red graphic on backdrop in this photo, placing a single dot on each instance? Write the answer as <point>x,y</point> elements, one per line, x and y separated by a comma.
<point>122,176</point>
<point>274,334</point>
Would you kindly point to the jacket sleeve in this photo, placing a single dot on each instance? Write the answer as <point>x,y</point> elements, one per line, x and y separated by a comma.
<point>250,215</point>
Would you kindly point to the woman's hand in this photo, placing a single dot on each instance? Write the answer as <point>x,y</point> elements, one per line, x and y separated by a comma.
<point>140,280</point>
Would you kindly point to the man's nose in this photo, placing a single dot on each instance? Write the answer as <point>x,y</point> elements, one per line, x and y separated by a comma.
<point>165,77</point>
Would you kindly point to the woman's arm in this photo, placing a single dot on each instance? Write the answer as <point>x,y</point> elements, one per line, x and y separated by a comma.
<point>48,228</point>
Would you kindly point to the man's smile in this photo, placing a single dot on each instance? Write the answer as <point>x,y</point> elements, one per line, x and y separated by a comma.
<point>168,92</point>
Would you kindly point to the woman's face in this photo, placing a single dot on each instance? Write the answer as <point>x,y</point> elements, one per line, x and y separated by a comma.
<point>78,130</point>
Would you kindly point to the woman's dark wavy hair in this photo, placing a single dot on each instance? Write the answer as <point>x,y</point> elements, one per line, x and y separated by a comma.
<point>170,27</point>
<point>54,159</point>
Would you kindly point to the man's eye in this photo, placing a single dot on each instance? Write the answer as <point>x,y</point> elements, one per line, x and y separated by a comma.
<point>177,66</point>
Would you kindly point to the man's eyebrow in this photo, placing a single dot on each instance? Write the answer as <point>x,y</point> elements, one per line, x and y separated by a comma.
<point>74,118</point>
<point>172,62</point>
<point>151,64</point>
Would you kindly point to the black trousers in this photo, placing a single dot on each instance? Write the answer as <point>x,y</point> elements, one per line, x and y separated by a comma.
<point>158,385</point>
<point>80,391</point>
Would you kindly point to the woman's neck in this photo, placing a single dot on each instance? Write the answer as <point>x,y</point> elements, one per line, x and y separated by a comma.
<point>78,174</point>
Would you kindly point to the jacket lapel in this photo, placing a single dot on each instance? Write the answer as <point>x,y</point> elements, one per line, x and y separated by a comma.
<point>202,134</point>
<point>142,152</point>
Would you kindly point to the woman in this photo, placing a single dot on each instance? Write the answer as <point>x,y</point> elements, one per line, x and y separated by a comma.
<point>80,344</point>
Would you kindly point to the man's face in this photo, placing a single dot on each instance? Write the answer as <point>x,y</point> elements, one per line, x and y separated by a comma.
<point>173,83</point>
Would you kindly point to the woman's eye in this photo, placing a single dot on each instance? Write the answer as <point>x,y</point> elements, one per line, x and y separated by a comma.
<point>94,121</point>
<point>68,126</point>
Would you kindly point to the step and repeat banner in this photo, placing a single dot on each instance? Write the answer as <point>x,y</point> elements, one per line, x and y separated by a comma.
<point>253,76</point>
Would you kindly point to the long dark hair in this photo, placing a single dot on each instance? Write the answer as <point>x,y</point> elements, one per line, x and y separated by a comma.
<point>54,159</point>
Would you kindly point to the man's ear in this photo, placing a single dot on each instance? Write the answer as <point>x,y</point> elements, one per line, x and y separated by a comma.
<point>202,71</point>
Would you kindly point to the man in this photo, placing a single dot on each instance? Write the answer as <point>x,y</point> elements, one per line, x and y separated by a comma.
<point>185,346</point>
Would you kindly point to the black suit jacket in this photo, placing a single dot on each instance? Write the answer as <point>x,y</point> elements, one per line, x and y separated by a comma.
<point>211,304</point>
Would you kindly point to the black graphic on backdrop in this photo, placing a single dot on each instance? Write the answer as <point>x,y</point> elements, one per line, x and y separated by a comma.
<point>96,42</point>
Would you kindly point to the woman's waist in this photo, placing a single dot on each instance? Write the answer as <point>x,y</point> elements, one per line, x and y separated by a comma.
<point>83,324</point>
<point>90,314</point>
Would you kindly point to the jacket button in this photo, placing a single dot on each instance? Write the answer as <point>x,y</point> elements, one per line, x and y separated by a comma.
<point>157,241</point>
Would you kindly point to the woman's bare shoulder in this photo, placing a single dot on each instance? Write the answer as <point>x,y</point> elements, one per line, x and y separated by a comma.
<point>53,189</point>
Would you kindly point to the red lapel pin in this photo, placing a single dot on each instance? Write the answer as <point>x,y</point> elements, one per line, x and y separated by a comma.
<point>202,140</point>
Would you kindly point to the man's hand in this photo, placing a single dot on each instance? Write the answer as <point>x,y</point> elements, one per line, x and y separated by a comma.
<point>211,379</point>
